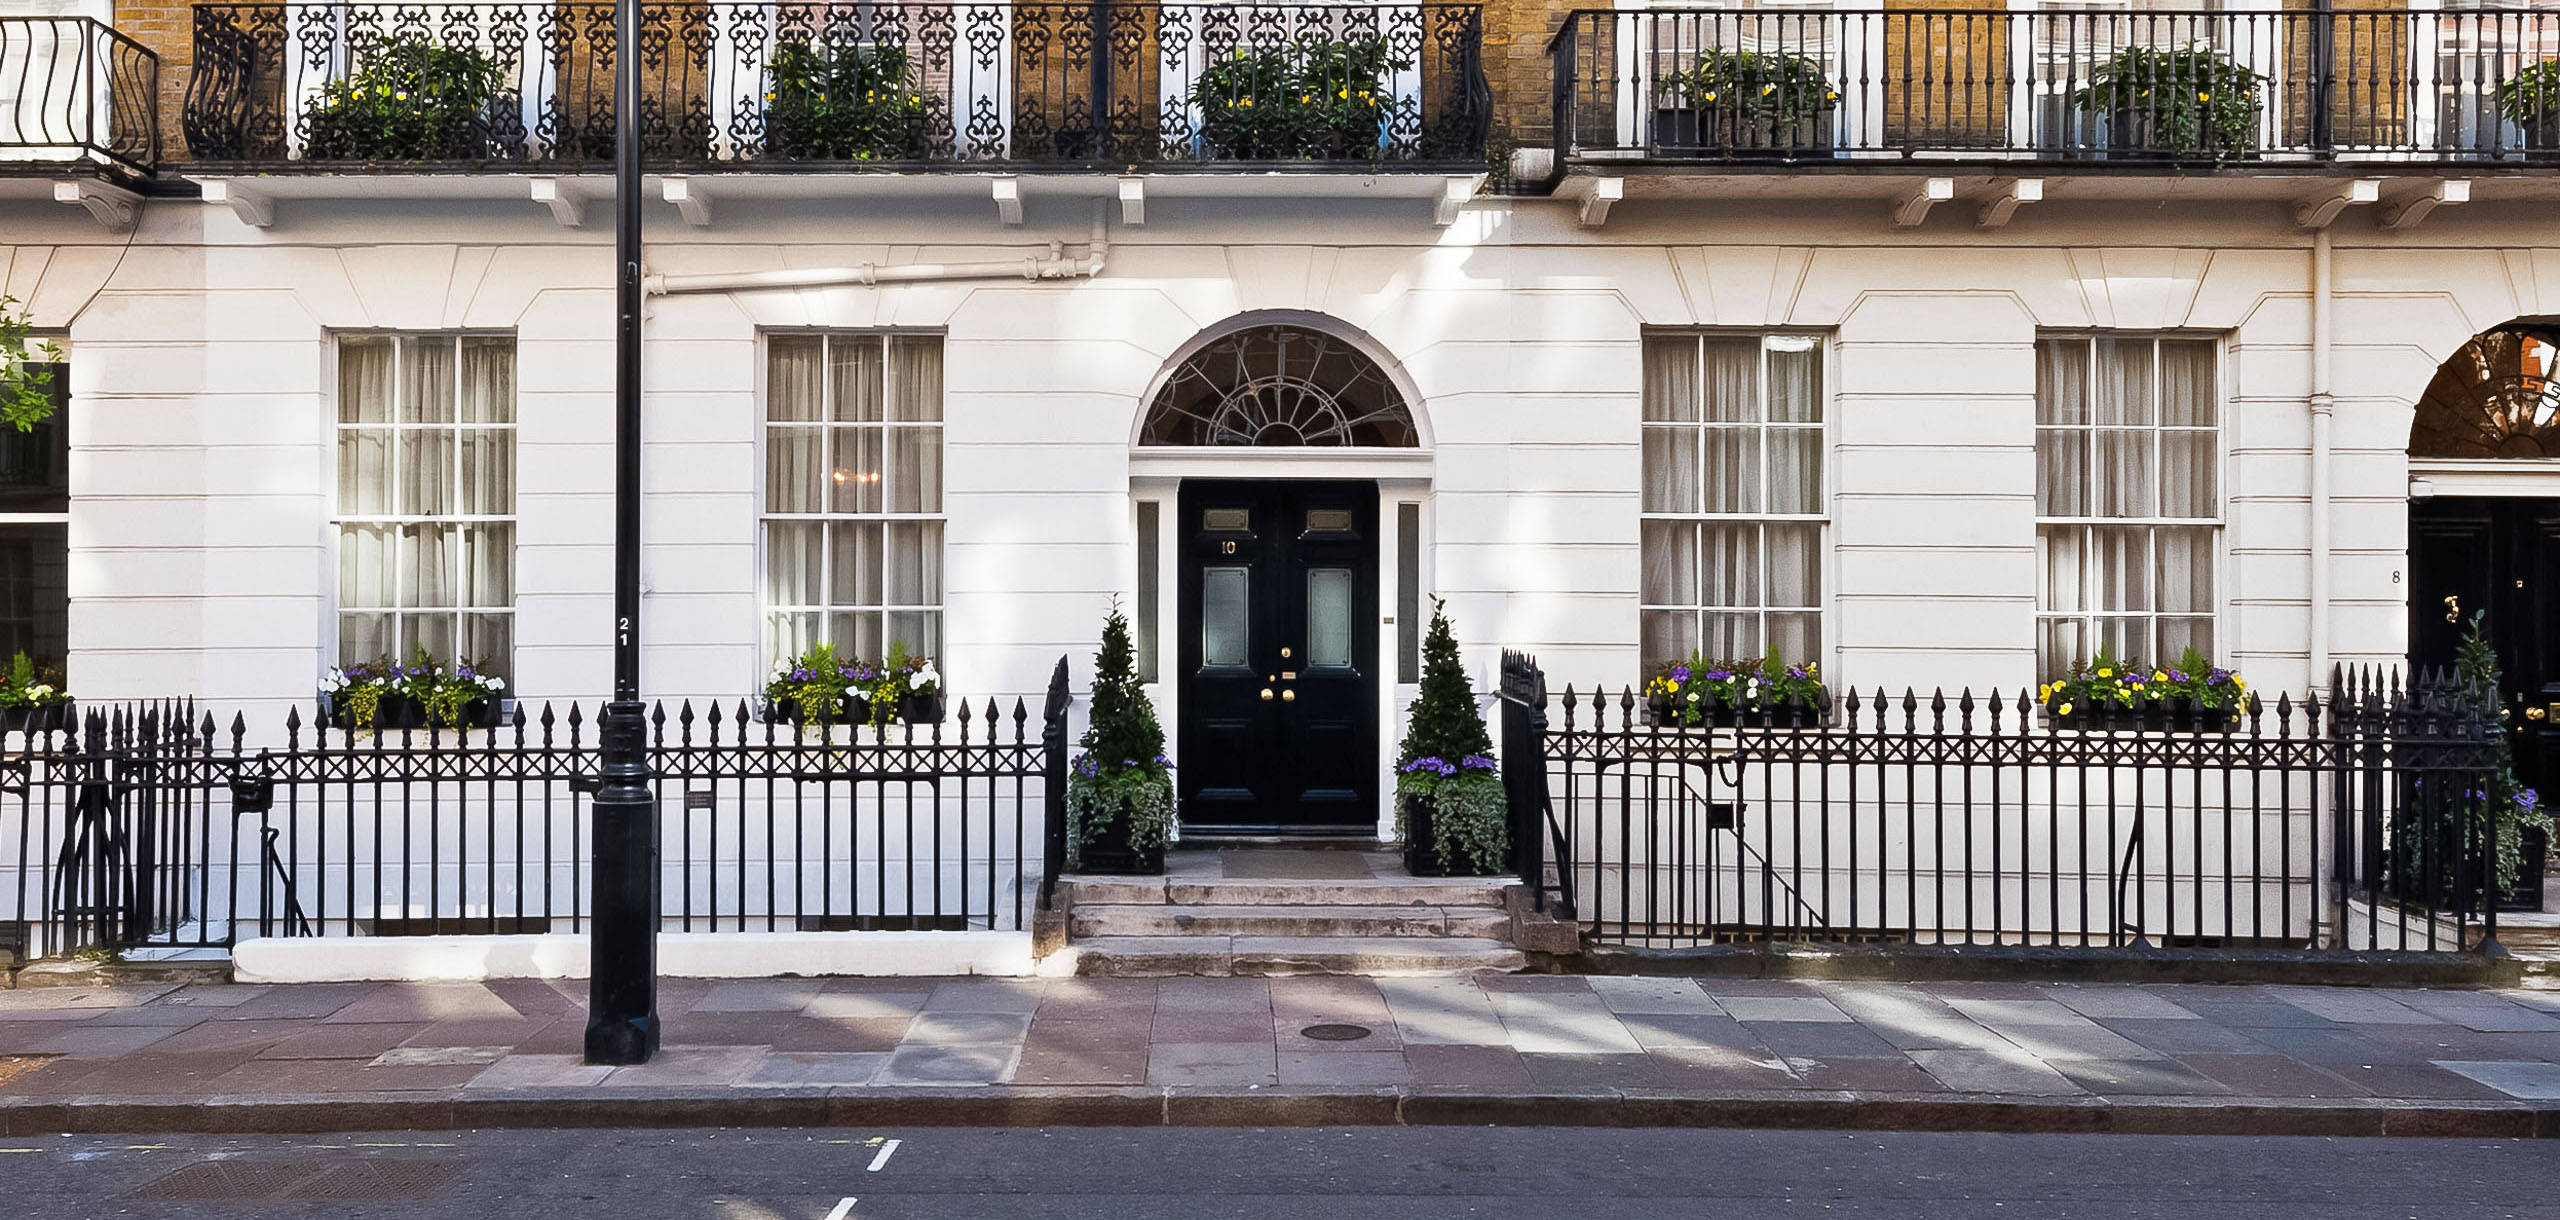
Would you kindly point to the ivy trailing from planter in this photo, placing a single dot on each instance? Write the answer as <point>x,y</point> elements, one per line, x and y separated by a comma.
<point>2176,100</point>
<point>1450,810</point>
<point>1120,786</point>
<point>27,369</point>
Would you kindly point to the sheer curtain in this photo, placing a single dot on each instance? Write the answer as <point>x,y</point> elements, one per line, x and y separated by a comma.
<point>1671,397</point>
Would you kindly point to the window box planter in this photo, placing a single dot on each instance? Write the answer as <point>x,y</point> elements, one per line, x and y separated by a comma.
<point>52,717</point>
<point>2151,716</point>
<point>927,708</point>
<point>1719,714</point>
<point>1678,129</point>
<point>400,713</point>
<point>854,709</point>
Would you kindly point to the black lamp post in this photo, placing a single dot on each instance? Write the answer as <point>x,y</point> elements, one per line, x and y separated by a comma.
<point>622,979</point>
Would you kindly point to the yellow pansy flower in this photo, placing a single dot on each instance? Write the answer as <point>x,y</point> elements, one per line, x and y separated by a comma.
<point>2106,673</point>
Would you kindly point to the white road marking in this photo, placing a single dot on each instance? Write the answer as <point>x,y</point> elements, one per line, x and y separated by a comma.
<point>844,1207</point>
<point>883,1158</point>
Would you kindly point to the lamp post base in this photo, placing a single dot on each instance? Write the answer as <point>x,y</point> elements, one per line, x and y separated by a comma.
<point>622,943</point>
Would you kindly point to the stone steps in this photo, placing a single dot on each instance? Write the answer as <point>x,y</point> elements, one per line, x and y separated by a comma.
<point>1175,956</point>
<point>1265,921</point>
<point>1138,891</point>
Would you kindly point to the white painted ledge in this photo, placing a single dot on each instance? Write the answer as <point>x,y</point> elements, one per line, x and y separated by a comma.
<point>702,955</point>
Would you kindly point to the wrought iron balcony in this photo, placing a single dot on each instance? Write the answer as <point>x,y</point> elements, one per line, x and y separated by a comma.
<point>894,86</point>
<point>75,93</point>
<point>1745,86</point>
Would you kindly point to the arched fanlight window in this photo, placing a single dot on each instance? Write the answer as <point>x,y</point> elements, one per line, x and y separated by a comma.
<point>2496,398</point>
<point>1279,385</point>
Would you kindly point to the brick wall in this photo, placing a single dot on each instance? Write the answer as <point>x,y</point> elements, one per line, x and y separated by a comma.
<point>164,26</point>
<point>1516,64</point>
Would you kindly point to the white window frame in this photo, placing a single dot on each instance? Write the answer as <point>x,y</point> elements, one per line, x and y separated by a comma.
<point>771,647</point>
<point>339,426</point>
<point>2090,615</point>
<point>1821,427</point>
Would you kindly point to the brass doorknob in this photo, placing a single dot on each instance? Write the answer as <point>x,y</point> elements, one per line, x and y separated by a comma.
<point>1266,694</point>
<point>2533,713</point>
<point>1288,696</point>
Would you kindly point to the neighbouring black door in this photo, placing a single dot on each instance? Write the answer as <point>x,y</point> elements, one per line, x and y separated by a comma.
<point>2503,556</point>
<point>1279,656</point>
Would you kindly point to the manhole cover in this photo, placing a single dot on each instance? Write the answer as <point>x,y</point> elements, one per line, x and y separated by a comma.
<point>1336,1033</point>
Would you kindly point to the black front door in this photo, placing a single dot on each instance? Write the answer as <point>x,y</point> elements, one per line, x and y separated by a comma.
<point>2502,556</point>
<point>1279,656</point>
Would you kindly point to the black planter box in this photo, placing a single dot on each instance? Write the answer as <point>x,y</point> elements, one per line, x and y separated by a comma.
<point>55,717</point>
<point>1682,128</point>
<point>2526,894</point>
<point>2136,131</point>
<point>2539,132</point>
<point>2159,716</point>
<point>921,709</point>
<point>853,709</point>
<point>1421,850</point>
<point>1109,854</point>
<point>400,713</point>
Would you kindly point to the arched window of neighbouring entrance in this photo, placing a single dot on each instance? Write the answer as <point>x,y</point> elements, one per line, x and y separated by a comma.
<point>2495,398</point>
<point>1279,385</point>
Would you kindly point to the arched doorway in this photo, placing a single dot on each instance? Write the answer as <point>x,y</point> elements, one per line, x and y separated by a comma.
<point>2484,532</point>
<point>1280,669</point>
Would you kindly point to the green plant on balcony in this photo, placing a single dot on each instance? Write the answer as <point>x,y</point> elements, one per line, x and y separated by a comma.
<point>2182,101</point>
<point>1312,100</point>
<point>2531,100</point>
<point>411,100</point>
<point>846,103</point>
<point>1748,100</point>
<point>27,370</point>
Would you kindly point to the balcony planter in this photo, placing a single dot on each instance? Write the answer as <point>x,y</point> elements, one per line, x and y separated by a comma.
<point>1681,129</point>
<point>2181,102</point>
<point>2540,132</point>
<point>2531,100</point>
<point>1322,101</point>
<point>858,102</point>
<point>2148,716</point>
<point>412,99</point>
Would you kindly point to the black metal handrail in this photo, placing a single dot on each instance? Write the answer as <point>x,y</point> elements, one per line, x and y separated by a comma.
<point>1771,85</point>
<point>152,826</point>
<point>2351,822</point>
<point>891,85</point>
<point>73,90</point>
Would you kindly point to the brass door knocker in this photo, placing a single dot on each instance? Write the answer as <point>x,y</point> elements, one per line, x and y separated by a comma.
<point>2453,609</point>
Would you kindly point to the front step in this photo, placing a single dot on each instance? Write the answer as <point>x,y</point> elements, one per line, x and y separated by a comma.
<point>1253,920</point>
<point>1173,956</point>
<point>1138,891</point>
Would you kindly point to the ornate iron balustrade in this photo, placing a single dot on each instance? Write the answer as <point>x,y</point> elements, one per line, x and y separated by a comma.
<point>1741,86</point>
<point>73,90</point>
<point>898,85</point>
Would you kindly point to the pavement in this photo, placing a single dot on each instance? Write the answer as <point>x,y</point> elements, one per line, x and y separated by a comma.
<point>1523,1049</point>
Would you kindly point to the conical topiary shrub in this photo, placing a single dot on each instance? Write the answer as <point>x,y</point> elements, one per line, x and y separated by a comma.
<point>1120,787</point>
<point>1450,810</point>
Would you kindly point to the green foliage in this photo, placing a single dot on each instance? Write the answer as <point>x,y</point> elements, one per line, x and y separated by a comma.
<point>1774,85</point>
<point>2532,95</point>
<point>31,685</point>
<point>410,99</point>
<point>1690,692</point>
<point>2104,681</point>
<point>814,685</point>
<point>1120,773</point>
<point>1310,99</point>
<point>1446,761</point>
<point>1470,818</point>
<point>2193,98</point>
<point>26,369</point>
<point>1443,723</point>
<point>846,103</point>
<point>2509,806</point>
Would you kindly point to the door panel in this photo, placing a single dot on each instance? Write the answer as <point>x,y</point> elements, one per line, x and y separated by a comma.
<point>1278,658</point>
<point>2502,556</point>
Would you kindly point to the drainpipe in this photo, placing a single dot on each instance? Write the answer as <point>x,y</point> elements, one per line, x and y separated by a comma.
<point>2321,405</point>
<point>1055,265</point>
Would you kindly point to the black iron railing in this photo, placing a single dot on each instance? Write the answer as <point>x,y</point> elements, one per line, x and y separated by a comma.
<point>155,827</point>
<point>2224,87</point>
<point>897,84</point>
<point>74,90</point>
<point>2349,823</point>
